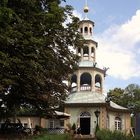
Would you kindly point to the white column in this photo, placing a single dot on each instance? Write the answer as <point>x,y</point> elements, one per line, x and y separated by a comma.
<point>78,81</point>
<point>93,83</point>
<point>89,57</point>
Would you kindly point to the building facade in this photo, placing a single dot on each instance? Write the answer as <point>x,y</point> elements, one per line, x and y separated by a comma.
<point>86,102</point>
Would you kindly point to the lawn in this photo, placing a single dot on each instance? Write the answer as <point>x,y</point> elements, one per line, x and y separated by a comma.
<point>52,137</point>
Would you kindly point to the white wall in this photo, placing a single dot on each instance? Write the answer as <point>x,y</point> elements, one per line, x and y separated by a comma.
<point>75,115</point>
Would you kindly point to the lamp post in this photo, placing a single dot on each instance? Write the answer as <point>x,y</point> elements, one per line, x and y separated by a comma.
<point>97,113</point>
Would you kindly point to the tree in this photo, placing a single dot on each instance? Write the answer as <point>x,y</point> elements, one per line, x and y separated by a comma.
<point>34,54</point>
<point>132,97</point>
<point>116,94</point>
<point>128,97</point>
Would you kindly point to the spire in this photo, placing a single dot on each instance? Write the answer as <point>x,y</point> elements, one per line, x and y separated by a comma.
<point>86,9</point>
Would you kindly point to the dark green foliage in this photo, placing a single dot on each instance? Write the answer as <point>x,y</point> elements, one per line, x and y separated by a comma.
<point>113,135</point>
<point>52,137</point>
<point>74,126</point>
<point>38,128</point>
<point>128,97</point>
<point>116,94</point>
<point>34,54</point>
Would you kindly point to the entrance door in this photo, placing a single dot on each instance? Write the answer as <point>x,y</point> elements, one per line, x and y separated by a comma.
<point>85,126</point>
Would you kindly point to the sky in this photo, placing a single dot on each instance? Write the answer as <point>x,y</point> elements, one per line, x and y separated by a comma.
<point>117,31</point>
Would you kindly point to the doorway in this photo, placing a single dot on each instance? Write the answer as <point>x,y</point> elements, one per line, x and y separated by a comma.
<point>85,123</point>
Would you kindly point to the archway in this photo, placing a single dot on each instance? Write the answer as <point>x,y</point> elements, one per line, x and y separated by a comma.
<point>85,82</point>
<point>74,83</point>
<point>98,83</point>
<point>85,118</point>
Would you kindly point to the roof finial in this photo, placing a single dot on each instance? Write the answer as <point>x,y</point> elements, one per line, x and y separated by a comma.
<point>86,9</point>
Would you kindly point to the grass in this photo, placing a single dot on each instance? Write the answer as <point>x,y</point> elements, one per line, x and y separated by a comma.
<point>52,137</point>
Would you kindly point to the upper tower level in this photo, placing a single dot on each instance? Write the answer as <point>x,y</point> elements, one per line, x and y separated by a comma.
<point>88,78</point>
<point>88,51</point>
<point>86,26</point>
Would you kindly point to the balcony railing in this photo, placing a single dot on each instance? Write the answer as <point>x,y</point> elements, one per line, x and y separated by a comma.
<point>85,88</point>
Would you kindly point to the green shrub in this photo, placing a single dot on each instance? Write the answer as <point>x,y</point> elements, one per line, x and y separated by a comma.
<point>38,128</point>
<point>113,135</point>
<point>53,137</point>
<point>74,126</point>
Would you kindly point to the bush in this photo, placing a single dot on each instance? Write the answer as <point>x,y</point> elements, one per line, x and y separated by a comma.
<point>113,135</point>
<point>74,126</point>
<point>38,129</point>
<point>53,137</point>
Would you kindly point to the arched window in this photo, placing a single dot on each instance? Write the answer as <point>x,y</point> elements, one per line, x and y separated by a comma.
<point>85,51</point>
<point>90,30</point>
<point>79,51</point>
<point>98,81</point>
<point>74,80</point>
<point>118,123</point>
<point>85,79</point>
<point>74,83</point>
<point>84,114</point>
<point>86,29</point>
<point>85,82</point>
<point>92,52</point>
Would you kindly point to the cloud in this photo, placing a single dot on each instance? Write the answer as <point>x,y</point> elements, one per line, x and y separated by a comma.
<point>118,48</point>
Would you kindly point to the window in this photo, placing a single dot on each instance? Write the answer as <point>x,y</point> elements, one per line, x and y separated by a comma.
<point>62,123</point>
<point>81,30</point>
<point>90,30</point>
<point>92,50</point>
<point>85,114</point>
<point>85,51</point>
<point>86,29</point>
<point>25,125</point>
<point>98,81</point>
<point>79,50</point>
<point>118,123</point>
<point>51,124</point>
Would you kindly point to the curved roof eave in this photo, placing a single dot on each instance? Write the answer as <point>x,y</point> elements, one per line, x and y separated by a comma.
<point>86,20</point>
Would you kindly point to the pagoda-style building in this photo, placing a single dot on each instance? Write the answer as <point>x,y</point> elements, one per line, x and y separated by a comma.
<point>86,102</point>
